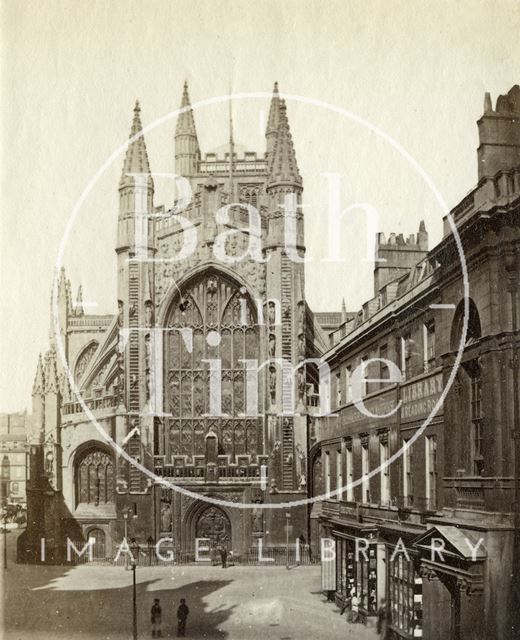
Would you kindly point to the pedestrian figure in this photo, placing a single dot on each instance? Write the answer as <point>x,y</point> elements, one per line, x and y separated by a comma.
<point>223,555</point>
<point>182,616</point>
<point>354,607</point>
<point>346,607</point>
<point>382,619</point>
<point>156,618</point>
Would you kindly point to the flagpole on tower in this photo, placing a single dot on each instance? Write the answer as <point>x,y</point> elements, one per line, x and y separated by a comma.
<point>231,149</point>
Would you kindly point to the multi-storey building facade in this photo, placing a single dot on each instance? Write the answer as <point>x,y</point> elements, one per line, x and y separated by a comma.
<point>188,315</point>
<point>453,485</point>
<point>13,455</point>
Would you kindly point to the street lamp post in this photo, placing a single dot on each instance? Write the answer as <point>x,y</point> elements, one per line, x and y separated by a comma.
<point>134,601</point>
<point>5,538</point>
<point>287,521</point>
<point>125,519</point>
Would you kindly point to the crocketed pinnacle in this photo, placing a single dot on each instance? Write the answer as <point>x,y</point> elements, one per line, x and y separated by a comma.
<point>136,158</point>
<point>79,302</point>
<point>274,112</point>
<point>283,166</point>
<point>39,381</point>
<point>186,120</point>
<point>51,373</point>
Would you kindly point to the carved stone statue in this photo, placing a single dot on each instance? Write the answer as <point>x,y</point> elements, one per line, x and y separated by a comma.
<point>272,384</point>
<point>166,517</point>
<point>272,345</point>
<point>301,385</point>
<point>257,518</point>
<point>120,308</point>
<point>271,313</point>
<point>301,346</point>
<point>148,314</point>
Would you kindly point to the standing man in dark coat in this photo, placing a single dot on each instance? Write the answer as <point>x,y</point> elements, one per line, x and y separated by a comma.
<point>156,614</point>
<point>182,616</point>
<point>223,555</point>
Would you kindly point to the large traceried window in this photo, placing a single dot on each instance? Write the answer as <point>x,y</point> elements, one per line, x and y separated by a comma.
<point>95,478</point>
<point>222,319</point>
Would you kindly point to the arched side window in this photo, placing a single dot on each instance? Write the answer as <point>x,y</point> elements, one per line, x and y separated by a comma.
<point>474,331</point>
<point>95,478</point>
<point>84,360</point>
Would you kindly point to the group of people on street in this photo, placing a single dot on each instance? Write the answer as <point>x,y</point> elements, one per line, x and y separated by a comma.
<point>355,614</point>
<point>353,603</point>
<point>156,618</point>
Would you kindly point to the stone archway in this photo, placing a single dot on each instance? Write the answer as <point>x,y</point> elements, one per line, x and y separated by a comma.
<point>99,546</point>
<point>214,524</point>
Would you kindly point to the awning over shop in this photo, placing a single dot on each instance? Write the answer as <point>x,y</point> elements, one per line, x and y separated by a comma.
<point>457,543</point>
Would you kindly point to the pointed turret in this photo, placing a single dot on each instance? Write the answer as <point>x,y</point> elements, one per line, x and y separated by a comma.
<point>422,236</point>
<point>487,102</point>
<point>50,373</point>
<point>39,379</point>
<point>272,121</point>
<point>187,151</point>
<point>136,158</point>
<point>79,302</point>
<point>343,311</point>
<point>64,307</point>
<point>135,190</point>
<point>283,165</point>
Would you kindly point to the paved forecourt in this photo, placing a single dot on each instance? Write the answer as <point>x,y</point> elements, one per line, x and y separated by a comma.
<point>238,603</point>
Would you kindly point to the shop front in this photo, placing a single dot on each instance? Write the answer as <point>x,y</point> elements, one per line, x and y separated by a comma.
<point>403,579</point>
<point>359,560</point>
<point>452,568</point>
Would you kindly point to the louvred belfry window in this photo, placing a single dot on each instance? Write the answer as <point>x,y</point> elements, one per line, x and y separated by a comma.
<point>223,323</point>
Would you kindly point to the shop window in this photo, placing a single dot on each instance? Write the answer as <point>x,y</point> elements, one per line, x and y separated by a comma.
<point>357,575</point>
<point>431,471</point>
<point>404,595</point>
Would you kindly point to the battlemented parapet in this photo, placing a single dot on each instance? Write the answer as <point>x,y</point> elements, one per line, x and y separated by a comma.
<point>499,134</point>
<point>397,255</point>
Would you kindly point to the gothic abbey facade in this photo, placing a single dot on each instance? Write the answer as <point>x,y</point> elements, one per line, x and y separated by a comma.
<point>183,313</point>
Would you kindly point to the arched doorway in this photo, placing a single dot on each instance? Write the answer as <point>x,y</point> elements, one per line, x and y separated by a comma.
<point>98,548</point>
<point>214,525</point>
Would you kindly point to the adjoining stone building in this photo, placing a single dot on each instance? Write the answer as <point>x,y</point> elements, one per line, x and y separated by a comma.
<point>13,440</point>
<point>454,486</point>
<point>233,309</point>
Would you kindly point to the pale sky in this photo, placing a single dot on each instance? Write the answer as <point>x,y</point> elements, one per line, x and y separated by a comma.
<point>71,72</point>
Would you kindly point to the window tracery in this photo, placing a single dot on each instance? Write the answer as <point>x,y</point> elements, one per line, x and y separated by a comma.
<point>223,323</point>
